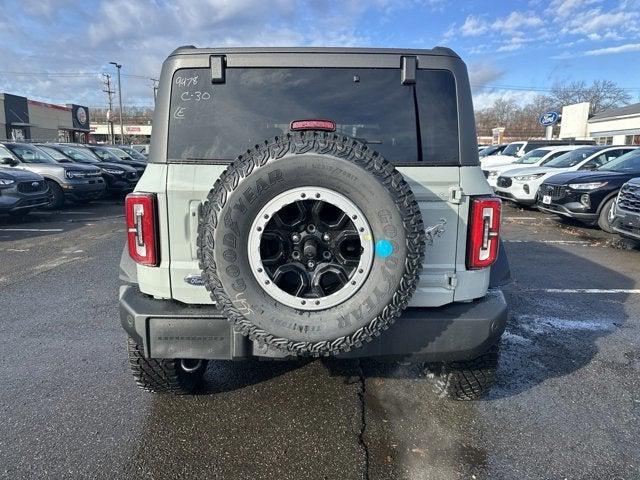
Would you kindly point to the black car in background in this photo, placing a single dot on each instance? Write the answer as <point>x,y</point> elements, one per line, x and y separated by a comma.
<point>131,152</point>
<point>118,177</point>
<point>107,154</point>
<point>22,191</point>
<point>492,150</point>
<point>626,214</point>
<point>589,196</point>
<point>103,155</point>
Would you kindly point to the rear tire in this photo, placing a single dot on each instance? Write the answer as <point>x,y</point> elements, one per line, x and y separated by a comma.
<point>466,380</point>
<point>57,196</point>
<point>165,375</point>
<point>603,219</point>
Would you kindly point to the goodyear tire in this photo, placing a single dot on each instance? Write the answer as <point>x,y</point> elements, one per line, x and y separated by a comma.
<point>311,243</point>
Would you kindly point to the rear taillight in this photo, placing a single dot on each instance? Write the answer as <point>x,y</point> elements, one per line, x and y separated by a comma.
<point>484,234</point>
<point>326,125</point>
<point>140,211</point>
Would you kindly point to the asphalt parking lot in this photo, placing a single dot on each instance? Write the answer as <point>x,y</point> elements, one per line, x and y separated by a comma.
<point>566,404</point>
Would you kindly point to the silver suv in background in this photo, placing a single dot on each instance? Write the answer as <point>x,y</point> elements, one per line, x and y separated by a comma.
<point>78,183</point>
<point>118,177</point>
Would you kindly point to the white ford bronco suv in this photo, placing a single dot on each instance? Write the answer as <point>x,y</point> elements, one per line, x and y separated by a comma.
<point>313,202</point>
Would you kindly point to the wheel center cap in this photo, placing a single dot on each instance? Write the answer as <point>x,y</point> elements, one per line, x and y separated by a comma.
<point>310,249</point>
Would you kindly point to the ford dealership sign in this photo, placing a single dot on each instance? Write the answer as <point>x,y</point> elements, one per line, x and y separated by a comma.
<point>549,118</point>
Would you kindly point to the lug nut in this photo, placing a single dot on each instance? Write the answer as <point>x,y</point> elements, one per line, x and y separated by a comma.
<point>311,264</point>
<point>311,228</point>
<point>326,254</point>
<point>295,254</point>
<point>326,237</point>
<point>295,237</point>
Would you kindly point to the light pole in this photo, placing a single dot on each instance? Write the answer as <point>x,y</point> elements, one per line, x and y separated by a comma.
<point>118,66</point>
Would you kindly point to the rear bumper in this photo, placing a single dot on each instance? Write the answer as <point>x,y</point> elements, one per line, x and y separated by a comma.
<point>170,329</point>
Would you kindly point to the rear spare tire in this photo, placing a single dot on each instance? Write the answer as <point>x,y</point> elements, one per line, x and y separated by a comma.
<point>311,243</point>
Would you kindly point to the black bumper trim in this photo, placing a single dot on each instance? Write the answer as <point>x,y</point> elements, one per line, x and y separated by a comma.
<point>565,212</point>
<point>170,329</point>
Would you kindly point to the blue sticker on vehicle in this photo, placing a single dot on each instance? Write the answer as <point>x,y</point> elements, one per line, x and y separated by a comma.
<point>384,248</point>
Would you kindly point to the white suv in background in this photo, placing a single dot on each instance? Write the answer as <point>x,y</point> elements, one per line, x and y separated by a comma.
<point>535,158</point>
<point>521,185</point>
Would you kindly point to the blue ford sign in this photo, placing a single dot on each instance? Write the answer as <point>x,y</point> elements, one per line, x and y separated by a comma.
<point>549,118</point>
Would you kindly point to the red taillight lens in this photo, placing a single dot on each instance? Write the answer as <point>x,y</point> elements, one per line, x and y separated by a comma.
<point>140,211</point>
<point>484,234</point>
<point>326,125</point>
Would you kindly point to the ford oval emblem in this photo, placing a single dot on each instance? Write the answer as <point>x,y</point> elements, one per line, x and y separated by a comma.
<point>549,118</point>
<point>195,280</point>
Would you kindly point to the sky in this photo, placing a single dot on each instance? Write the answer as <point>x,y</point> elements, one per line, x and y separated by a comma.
<point>55,50</point>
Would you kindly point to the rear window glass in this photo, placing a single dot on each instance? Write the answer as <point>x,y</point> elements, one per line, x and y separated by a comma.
<point>219,121</point>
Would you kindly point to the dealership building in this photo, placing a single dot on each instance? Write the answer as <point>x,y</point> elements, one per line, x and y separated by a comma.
<point>24,119</point>
<point>616,126</point>
<point>132,133</point>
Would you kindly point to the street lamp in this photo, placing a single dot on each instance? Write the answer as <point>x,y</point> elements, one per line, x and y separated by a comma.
<point>118,66</point>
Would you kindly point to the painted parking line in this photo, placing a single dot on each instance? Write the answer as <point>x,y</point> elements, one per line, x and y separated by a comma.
<point>591,290</point>
<point>31,230</point>
<point>523,218</point>
<point>554,242</point>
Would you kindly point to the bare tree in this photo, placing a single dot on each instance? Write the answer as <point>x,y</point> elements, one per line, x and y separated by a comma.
<point>521,120</point>
<point>601,94</point>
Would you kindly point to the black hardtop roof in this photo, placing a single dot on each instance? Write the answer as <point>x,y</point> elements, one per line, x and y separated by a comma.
<point>436,51</point>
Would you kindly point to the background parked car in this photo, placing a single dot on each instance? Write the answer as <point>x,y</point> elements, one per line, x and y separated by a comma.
<point>535,158</point>
<point>589,196</point>
<point>518,149</point>
<point>107,154</point>
<point>103,155</point>
<point>78,183</point>
<point>118,177</point>
<point>22,191</point>
<point>142,148</point>
<point>492,150</point>
<point>521,185</point>
<point>132,153</point>
<point>626,213</point>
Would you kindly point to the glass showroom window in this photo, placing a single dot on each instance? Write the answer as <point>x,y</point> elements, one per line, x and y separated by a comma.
<point>604,140</point>
<point>632,140</point>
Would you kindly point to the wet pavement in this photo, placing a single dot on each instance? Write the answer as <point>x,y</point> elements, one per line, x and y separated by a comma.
<point>566,403</point>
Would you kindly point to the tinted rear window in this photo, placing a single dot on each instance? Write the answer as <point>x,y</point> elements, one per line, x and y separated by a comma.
<point>220,121</point>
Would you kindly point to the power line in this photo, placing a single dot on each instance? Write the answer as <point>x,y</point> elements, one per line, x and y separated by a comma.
<point>144,77</point>
<point>68,74</point>
<point>538,89</point>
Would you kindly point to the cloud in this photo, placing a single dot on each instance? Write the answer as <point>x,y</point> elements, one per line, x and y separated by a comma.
<point>483,73</point>
<point>564,8</point>
<point>629,47</point>
<point>484,99</point>
<point>595,21</point>
<point>473,26</point>
<point>516,21</point>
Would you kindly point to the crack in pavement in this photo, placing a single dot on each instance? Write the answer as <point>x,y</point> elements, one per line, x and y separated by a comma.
<point>363,419</point>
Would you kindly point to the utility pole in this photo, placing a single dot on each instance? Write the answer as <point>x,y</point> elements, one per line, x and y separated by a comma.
<point>155,90</point>
<point>109,92</point>
<point>119,66</point>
